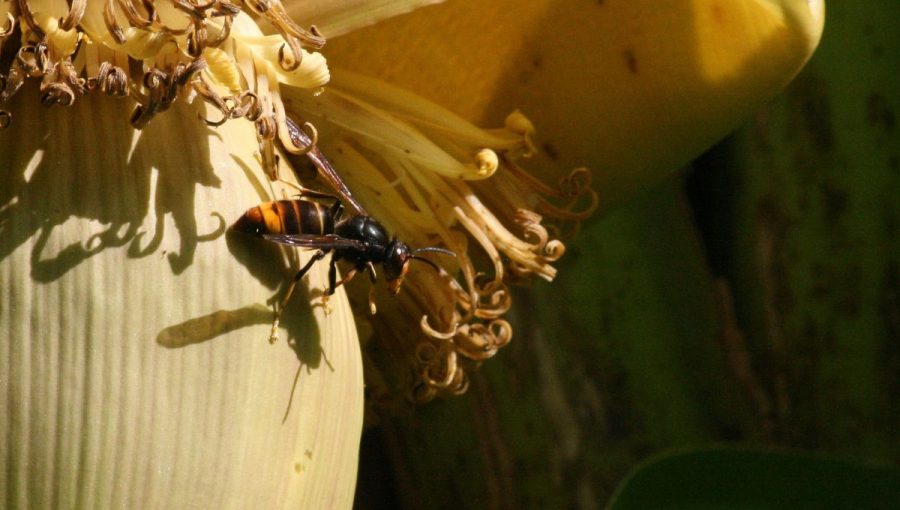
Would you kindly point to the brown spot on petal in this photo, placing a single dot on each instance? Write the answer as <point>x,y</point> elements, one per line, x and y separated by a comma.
<point>551,151</point>
<point>718,14</point>
<point>630,60</point>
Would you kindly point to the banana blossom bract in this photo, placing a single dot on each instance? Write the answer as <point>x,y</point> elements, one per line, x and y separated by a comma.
<point>134,371</point>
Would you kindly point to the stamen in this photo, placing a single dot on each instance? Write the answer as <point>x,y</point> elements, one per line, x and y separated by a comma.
<point>57,93</point>
<point>133,16</point>
<point>518,123</point>
<point>266,130</point>
<point>14,80</point>
<point>574,186</point>
<point>311,134</point>
<point>112,26</point>
<point>110,79</point>
<point>11,25</point>
<point>225,32</point>
<point>60,83</point>
<point>290,64</point>
<point>196,40</point>
<point>28,17</point>
<point>76,12</point>
<point>293,35</point>
<point>32,59</point>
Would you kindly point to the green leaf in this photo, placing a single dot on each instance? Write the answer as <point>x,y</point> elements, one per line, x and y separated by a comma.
<point>745,479</point>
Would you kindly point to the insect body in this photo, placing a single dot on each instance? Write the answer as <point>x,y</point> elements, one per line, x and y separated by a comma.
<point>359,239</point>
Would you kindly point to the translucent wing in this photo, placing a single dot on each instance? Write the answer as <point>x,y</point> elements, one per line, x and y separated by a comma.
<point>321,242</point>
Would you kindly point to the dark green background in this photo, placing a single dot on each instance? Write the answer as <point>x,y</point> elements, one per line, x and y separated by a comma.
<point>753,301</point>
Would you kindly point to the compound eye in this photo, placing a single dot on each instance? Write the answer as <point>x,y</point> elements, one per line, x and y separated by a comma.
<point>397,261</point>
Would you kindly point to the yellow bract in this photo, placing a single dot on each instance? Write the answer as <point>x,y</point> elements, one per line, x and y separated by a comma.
<point>632,89</point>
<point>136,366</point>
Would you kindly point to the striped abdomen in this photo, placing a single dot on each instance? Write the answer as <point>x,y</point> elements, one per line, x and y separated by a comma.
<point>289,217</point>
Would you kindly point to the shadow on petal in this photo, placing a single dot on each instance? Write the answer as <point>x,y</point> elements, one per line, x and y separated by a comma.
<point>92,174</point>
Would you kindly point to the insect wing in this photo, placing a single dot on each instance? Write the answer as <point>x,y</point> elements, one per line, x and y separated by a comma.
<point>322,242</point>
<point>300,139</point>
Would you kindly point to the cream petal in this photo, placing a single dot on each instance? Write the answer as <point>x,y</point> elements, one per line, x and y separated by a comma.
<point>383,130</point>
<point>404,104</point>
<point>135,371</point>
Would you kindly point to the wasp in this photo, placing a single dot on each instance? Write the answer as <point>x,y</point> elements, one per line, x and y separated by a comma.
<point>358,239</point>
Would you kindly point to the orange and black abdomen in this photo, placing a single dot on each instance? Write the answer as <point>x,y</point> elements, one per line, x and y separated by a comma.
<point>287,217</point>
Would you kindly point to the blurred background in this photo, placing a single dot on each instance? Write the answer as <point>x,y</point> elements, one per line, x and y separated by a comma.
<point>753,300</point>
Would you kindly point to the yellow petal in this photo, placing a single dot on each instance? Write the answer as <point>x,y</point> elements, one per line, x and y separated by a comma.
<point>222,67</point>
<point>338,17</point>
<point>632,88</point>
<point>135,368</point>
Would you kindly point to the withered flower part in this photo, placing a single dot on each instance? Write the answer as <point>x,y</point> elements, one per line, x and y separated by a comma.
<point>155,52</point>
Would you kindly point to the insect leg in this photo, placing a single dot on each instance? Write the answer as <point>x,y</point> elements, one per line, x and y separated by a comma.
<point>332,285</point>
<point>337,209</point>
<point>304,192</point>
<point>347,277</point>
<point>311,193</point>
<point>273,336</point>
<point>370,269</point>
<point>332,277</point>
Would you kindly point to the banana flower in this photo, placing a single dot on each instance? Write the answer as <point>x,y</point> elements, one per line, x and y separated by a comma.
<point>133,371</point>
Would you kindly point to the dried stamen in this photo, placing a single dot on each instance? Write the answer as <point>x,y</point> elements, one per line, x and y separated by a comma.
<point>28,17</point>
<point>574,186</point>
<point>109,19</point>
<point>295,36</point>
<point>76,12</point>
<point>12,82</point>
<point>110,79</point>
<point>60,83</point>
<point>312,137</point>
<point>133,16</point>
<point>11,25</point>
<point>224,33</point>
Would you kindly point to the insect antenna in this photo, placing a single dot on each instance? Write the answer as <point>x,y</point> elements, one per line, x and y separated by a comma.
<point>432,249</point>
<point>430,263</point>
